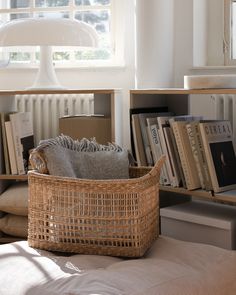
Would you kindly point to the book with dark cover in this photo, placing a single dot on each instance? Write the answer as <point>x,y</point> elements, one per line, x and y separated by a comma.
<point>220,153</point>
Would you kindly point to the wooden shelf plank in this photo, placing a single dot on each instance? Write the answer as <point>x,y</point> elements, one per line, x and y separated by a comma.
<point>184,91</point>
<point>228,196</point>
<point>14,177</point>
<point>58,91</point>
<point>183,191</point>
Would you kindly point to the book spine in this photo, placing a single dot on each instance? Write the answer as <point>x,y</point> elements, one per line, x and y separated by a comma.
<point>202,159</point>
<point>153,143</point>
<point>138,144</point>
<point>182,179</point>
<point>157,151</point>
<point>171,155</point>
<point>195,150</point>
<point>4,141</point>
<point>186,157</point>
<point>2,161</point>
<point>11,148</point>
<point>146,143</point>
<point>17,144</point>
<point>169,169</point>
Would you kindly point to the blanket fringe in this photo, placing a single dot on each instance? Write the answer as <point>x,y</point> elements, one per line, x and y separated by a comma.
<point>85,144</point>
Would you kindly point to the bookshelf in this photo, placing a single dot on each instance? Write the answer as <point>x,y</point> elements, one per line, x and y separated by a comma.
<point>178,102</point>
<point>106,101</point>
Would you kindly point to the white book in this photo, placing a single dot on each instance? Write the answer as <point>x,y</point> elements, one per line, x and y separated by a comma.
<point>156,148</point>
<point>173,156</point>
<point>145,139</point>
<point>161,123</point>
<point>143,125</point>
<point>11,148</point>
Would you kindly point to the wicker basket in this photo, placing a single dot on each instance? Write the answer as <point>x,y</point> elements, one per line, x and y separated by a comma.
<point>105,217</point>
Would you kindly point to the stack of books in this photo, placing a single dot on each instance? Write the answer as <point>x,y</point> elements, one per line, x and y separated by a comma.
<point>199,153</point>
<point>16,141</point>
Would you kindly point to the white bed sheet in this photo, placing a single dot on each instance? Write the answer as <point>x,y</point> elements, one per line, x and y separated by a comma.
<point>170,267</point>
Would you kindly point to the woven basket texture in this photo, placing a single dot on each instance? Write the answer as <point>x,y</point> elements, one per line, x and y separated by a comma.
<point>118,217</point>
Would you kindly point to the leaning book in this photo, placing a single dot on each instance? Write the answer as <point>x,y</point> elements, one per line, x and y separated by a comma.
<point>11,148</point>
<point>220,154</point>
<point>23,137</point>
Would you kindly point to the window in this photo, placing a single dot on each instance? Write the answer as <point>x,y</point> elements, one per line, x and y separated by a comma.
<point>98,13</point>
<point>230,32</point>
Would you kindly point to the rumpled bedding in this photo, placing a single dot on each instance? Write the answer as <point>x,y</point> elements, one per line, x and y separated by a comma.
<point>170,267</point>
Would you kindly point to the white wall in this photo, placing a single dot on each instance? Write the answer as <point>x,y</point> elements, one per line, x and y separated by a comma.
<point>183,43</point>
<point>215,12</point>
<point>154,43</point>
<point>200,32</point>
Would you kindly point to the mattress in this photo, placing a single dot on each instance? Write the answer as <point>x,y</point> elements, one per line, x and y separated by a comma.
<point>170,267</point>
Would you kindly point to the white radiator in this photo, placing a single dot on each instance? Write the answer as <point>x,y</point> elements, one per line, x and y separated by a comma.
<point>225,109</point>
<point>46,109</point>
<point>215,107</point>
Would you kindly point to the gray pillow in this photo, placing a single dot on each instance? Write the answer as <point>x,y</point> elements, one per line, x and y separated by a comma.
<point>90,165</point>
<point>15,199</point>
<point>14,225</point>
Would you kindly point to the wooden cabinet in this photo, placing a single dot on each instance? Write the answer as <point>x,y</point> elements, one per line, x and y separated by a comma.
<point>178,102</point>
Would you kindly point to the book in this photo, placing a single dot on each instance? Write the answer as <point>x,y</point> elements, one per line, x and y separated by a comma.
<point>185,153</point>
<point>162,123</point>
<point>156,148</point>
<point>220,154</point>
<point>154,139</point>
<point>178,162</point>
<point>199,154</point>
<point>190,127</point>
<point>174,156</point>
<point>5,116</point>
<point>11,148</point>
<point>3,184</point>
<point>139,151</point>
<point>138,110</point>
<point>22,131</point>
<point>146,142</point>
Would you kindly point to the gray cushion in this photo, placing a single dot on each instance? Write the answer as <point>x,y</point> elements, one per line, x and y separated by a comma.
<point>91,165</point>
<point>14,225</point>
<point>15,199</point>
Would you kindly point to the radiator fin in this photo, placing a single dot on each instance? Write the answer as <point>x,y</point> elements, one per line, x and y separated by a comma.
<point>46,109</point>
<point>225,109</point>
